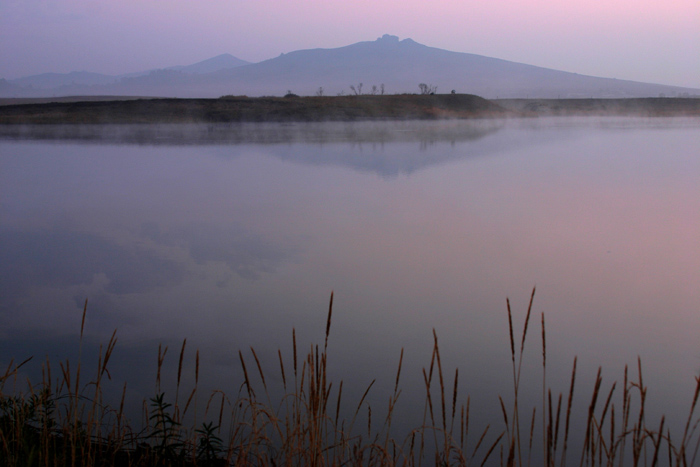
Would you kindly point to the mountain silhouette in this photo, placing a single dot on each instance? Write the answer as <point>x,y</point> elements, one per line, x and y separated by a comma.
<point>388,64</point>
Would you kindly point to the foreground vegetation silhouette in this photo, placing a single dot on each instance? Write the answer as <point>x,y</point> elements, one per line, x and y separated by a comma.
<point>66,421</point>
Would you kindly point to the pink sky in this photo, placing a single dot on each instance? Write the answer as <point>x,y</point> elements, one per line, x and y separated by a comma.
<point>643,40</point>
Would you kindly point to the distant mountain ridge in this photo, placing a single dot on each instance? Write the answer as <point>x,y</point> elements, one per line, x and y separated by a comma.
<point>388,64</point>
<point>220,62</point>
<point>51,81</point>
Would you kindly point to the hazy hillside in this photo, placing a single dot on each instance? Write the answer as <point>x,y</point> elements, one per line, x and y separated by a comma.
<point>220,62</point>
<point>399,65</point>
<point>402,65</point>
<point>54,80</point>
<point>86,83</point>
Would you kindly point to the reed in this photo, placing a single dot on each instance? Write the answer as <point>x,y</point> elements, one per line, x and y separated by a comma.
<point>67,421</point>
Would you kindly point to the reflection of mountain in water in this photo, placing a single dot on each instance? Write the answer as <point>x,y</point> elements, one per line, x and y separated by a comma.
<point>258,133</point>
<point>385,148</point>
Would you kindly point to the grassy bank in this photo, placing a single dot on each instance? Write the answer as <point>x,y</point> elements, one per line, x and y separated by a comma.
<point>261,109</point>
<point>230,109</point>
<point>646,107</point>
<point>64,419</point>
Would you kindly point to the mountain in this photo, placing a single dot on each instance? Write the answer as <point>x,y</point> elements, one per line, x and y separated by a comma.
<point>7,88</point>
<point>83,82</point>
<point>399,65</point>
<point>220,62</point>
<point>402,65</point>
<point>54,80</point>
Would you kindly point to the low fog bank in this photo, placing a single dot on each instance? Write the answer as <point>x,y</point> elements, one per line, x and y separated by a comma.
<point>259,133</point>
<point>241,109</point>
<point>651,107</point>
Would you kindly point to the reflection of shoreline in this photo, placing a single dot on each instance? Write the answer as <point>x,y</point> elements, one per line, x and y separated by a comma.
<point>423,131</point>
<point>384,148</point>
<point>257,133</point>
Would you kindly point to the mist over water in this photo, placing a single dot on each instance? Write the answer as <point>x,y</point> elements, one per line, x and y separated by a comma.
<point>233,236</point>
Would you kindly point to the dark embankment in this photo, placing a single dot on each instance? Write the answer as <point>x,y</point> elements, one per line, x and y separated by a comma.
<point>47,100</point>
<point>643,107</point>
<point>229,109</point>
<point>262,109</point>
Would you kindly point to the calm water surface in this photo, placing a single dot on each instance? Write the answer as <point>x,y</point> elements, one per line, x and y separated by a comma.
<point>233,236</point>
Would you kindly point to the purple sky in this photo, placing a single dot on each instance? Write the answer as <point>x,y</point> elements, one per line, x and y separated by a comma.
<point>644,40</point>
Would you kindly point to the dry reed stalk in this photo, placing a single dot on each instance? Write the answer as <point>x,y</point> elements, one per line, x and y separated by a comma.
<point>284,379</point>
<point>362,399</point>
<point>189,400</point>
<point>93,423</point>
<point>697,446</point>
<point>626,400</point>
<point>515,376</point>
<point>481,439</point>
<point>638,430</point>
<point>586,443</point>
<point>176,409</point>
<point>525,327</point>
<point>302,391</point>
<point>549,454</point>
<point>657,444</point>
<point>493,446</point>
<point>410,449</point>
<point>599,426</point>
<point>82,321</point>
<point>369,421</point>
<point>681,454</point>
<point>532,432</point>
<point>428,405</point>
<point>607,404</point>
<point>161,357</point>
<point>442,396</point>
<point>505,416</point>
<point>432,365</point>
<point>568,413</point>
<point>556,428</point>
<point>294,346</point>
<point>454,401</point>
<point>613,446</point>
<point>464,428</point>
<point>544,382</point>
<point>145,420</point>
<point>398,373</point>
<point>221,408</point>
<point>328,386</point>
<point>250,390</point>
<point>517,371</point>
<point>392,401</point>
<point>512,339</point>
<point>600,443</point>
<point>429,401</point>
<point>46,425</point>
<point>328,323</point>
<point>337,406</point>
<point>260,372</point>
<point>510,462</point>
<point>196,384</point>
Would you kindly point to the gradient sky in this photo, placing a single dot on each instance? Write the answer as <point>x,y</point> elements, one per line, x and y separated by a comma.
<point>644,40</point>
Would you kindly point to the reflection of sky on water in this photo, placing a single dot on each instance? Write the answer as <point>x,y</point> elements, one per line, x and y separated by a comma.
<point>233,245</point>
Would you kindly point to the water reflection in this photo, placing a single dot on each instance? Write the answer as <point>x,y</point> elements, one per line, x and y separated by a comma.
<point>384,148</point>
<point>234,244</point>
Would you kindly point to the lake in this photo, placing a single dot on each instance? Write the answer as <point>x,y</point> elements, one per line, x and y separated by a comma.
<point>233,236</point>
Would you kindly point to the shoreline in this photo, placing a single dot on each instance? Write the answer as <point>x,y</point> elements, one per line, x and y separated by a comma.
<point>233,109</point>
